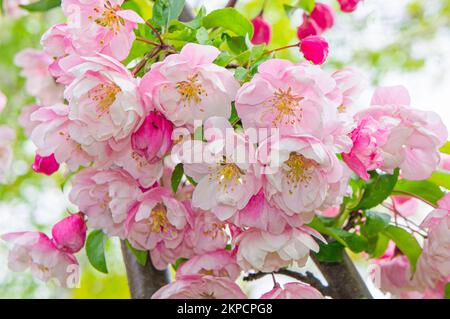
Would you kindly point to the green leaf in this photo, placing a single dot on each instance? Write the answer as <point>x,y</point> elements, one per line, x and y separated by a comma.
<point>191,180</point>
<point>41,5</point>
<point>378,245</point>
<point>197,22</point>
<point>141,256</point>
<point>331,252</point>
<point>177,175</point>
<point>307,5</point>
<point>447,291</point>
<point>95,250</point>
<point>375,223</point>
<point>406,242</point>
<point>425,190</point>
<point>229,19</point>
<point>165,11</point>
<point>234,118</point>
<point>378,188</point>
<point>240,73</point>
<point>178,262</point>
<point>202,36</point>
<point>446,148</point>
<point>441,179</point>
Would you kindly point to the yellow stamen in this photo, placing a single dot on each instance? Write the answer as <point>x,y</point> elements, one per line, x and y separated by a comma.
<point>109,18</point>
<point>158,219</point>
<point>191,90</point>
<point>298,169</point>
<point>104,96</point>
<point>286,105</point>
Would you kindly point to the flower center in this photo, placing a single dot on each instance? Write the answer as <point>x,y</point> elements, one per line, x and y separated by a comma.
<point>214,230</point>
<point>109,18</point>
<point>207,295</point>
<point>191,90</point>
<point>42,268</point>
<point>298,170</point>
<point>104,96</point>
<point>286,106</point>
<point>228,175</point>
<point>158,219</point>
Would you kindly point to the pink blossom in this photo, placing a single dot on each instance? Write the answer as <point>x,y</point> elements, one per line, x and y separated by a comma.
<point>3,100</point>
<point>101,26</point>
<point>52,133</point>
<point>314,49</point>
<point>219,263</point>
<point>12,8</point>
<point>104,99</point>
<point>25,118</point>
<point>302,175</point>
<point>348,5</point>
<point>56,41</point>
<point>293,290</point>
<point>158,222</point>
<point>323,15</point>
<point>7,136</point>
<point>36,251</point>
<point>351,83</point>
<point>39,82</point>
<point>188,86</point>
<point>153,140</point>
<point>262,251</point>
<point>308,27</point>
<point>414,136</point>
<point>405,205</point>
<point>262,31</point>
<point>45,164</point>
<point>393,275</point>
<point>69,234</point>
<point>200,287</point>
<point>366,155</point>
<point>225,175</point>
<point>104,196</point>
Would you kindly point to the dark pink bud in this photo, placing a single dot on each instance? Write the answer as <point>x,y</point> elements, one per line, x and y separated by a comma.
<point>314,49</point>
<point>69,234</point>
<point>263,31</point>
<point>307,28</point>
<point>45,164</point>
<point>153,140</point>
<point>348,5</point>
<point>323,15</point>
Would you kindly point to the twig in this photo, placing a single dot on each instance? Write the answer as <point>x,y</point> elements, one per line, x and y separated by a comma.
<point>155,31</point>
<point>231,3</point>
<point>282,48</point>
<point>147,41</point>
<point>148,56</point>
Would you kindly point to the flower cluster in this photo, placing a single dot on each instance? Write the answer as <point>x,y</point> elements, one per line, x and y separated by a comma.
<point>259,159</point>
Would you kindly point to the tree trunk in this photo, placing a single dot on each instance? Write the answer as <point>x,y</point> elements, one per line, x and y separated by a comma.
<point>142,281</point>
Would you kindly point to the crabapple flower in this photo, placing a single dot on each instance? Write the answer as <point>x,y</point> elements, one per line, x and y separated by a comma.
<point>52,131</point>
<point>3,100</point>
<point>323,15</point>
<point>158,222</point>
<point>103,97</point>
<point>308,27</point>
<point>351,83</point>
<point>69,234</point>
<point>302,175</point>
<point>262,31</point>
<point>219,263</point>
<point>314,49</point>
<point>39,82</point>
<point>225,175</point>
<point>35,251</point>
<point>104,196</point>
<point>56,41</point>
<point>25,118</point>
<point>293,290</point>
<point>101,26</point>
<point>414,136</point>
<point>188,86</point>
<point>262,251</point>
<point>7,136</point>
<point>405,205</point>
<point>45,164</point>
<point>153,140</point>
<point>348,5</point>
<point>200,287</point>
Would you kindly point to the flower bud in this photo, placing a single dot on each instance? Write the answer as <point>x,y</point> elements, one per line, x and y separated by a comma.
<point>307,28</point>
<point>45,164</point>
<point>314,49</point>
<point>263,31</point>
<point>153,139</point>
<point>323,15</point>
<point>69,234</point>
<point>348,5</point>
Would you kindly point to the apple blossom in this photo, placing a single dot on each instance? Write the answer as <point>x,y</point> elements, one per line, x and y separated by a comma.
<point>323,15</point>
<point>262,31</point>
<point>308,27</point>
<point>188,86</point>
<point>314,49</point>
<point>351,83</point>
<point>45,164</point>
<point>293,290</point>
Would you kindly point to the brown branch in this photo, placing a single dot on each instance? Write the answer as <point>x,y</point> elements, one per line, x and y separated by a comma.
<point>231,3</point>
<point>143,281</point>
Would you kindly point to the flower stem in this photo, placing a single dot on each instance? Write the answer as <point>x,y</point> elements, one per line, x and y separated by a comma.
<point>282,48</point>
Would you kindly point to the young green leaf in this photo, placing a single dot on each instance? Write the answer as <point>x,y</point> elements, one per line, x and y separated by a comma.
<point>41,5</point>
<point>375,223</point>
<point>165,11</point>
<point>378,189</point>
<point>331,252</point>
<point>229,19</point>
<point>177,175</point>
<point>95,250</point>
<point>446,148</point>
<point>441,178</point>
<point>378,245</point>
<point>141,256</point>
<point>425,190</point>
<point>406,242</point>
<point>307,5</point>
